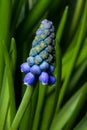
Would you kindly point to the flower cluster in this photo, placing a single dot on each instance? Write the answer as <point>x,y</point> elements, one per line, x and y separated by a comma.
<point>41,57</point>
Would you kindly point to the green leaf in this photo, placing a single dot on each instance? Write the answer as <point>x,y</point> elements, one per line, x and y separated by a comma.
<point>13,54</point>
<point>17,7</point>
<point>66,61</point>
<point>10,80</point>
<point>1,66</point>
<point>70,109</point>
<point>5,14</point>
<point>76,77</point>
<point>74,58</point>
<point>4,102</point>
<point>61,25</point>
<point>82,125</point>
<point>34,16</point>
<point>21,110</point>
<point>27,120</point>
<point>76,16</point>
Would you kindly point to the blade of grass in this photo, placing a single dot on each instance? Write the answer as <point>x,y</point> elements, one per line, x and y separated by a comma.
<point>1,66</point>
<point>13,54</point>
<point>70,109</point>
<point>74,58</point>
<point>68,58</point>
<point>21,110</point>
<point>27,120</point>
<point>75,79</point>
<point>4,102</point>
<point>77,14</point>
<point>36,13</point>
<point>8,119</point>
<point>5,14</point>
<point>82,125</point>
<point>61,25</point>
<point>16,12</point>
<point>10,80</point>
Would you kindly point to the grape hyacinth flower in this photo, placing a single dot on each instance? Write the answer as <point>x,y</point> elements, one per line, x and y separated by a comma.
<point>40,63</point>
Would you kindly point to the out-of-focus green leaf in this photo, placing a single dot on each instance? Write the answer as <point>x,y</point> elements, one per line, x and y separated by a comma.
<point>5,14</point>
<point>77,14</point>
<point>21,110</point>
<point>82,125</point>
<point>27,120</point>
<point>71,109</point>
<point>13,54</point>
<point>18,5</point>
<point>75,79</point>
<point>66,61</point>
<point>10,80</point>
<point>61,25</point>
<point>4,102</point>
<point>75,55</point>
<point>36,13</point>
<point>1,66</point>
<point>8,119</point>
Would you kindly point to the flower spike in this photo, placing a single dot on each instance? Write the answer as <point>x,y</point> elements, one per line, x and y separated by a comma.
<point>41,57</point>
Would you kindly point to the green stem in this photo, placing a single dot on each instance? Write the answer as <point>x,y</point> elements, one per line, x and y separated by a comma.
<point>24,103</point>
<point>41,98</point>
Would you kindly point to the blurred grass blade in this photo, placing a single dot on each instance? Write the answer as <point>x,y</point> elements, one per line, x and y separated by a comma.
<point>10,80</point>
<point>40,105</point>
<point>74,58</point>
<point>66,61</point>
<point>27,120</point>
<point>1,66</point>
<point>8,119</point>
<point>77,76</point>
<point>36,13</point>
<point>17,7</point>
<point>24,124</point>
<point>13,54</point>
<point>4,102</point>
<point>61,25</point>
<point>58,53</point>
<point>5,13</point>
<point>71,109</point>
<point>82,125</point>
<point>21,110</point>
<point>76,17</point>
<point>5,91</point>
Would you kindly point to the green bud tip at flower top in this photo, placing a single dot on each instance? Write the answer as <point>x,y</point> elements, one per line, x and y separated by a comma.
<point>39,64</point>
